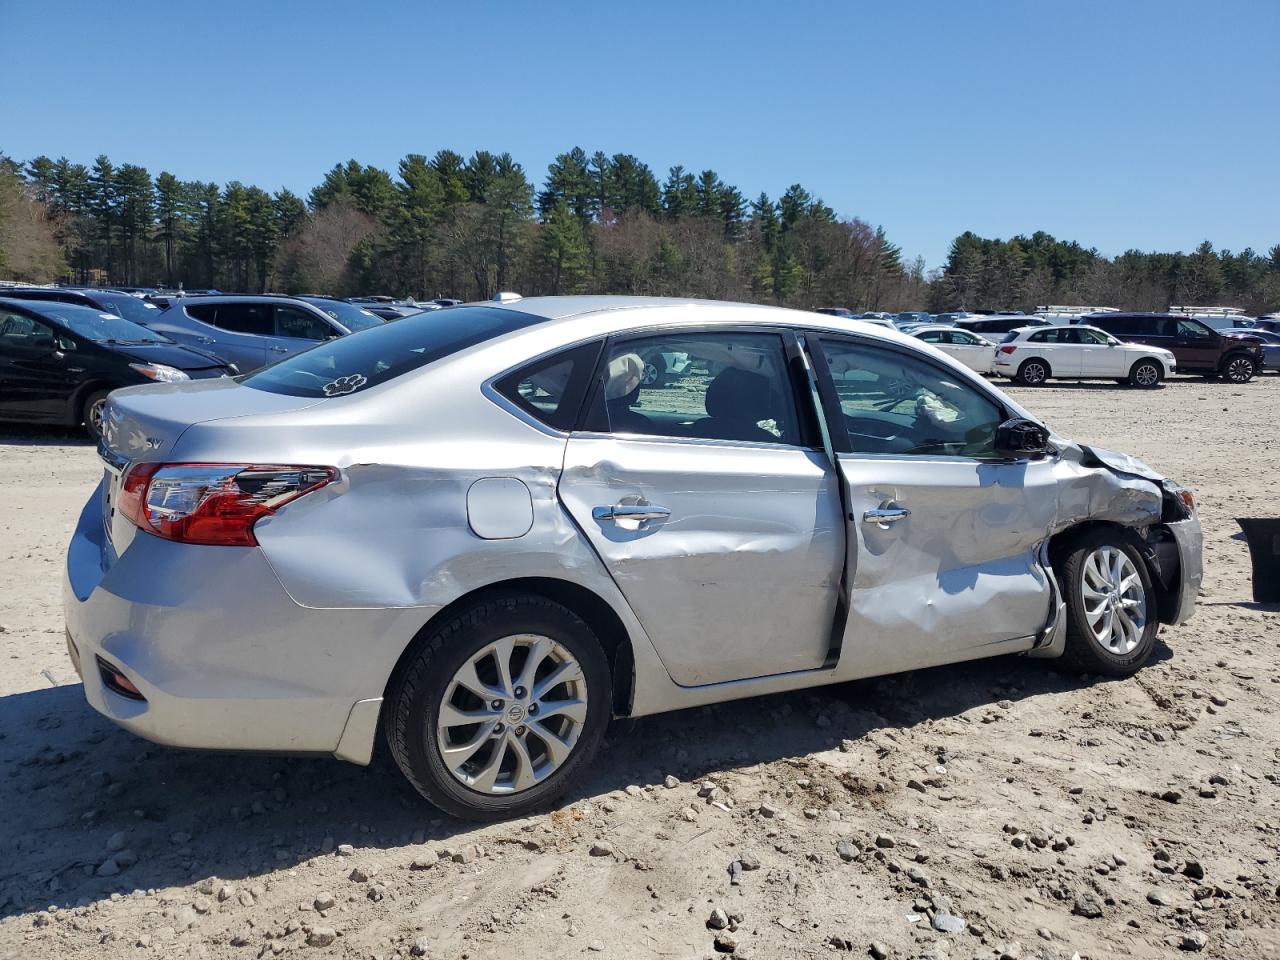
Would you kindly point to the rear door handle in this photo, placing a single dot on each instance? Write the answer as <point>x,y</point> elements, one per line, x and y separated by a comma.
<point>886,515</point>
<point>630,511</point>
<point>279,349</point>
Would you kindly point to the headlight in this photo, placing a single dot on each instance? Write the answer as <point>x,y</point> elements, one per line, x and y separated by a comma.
<point>160,372</point>
<point>1183,495</point>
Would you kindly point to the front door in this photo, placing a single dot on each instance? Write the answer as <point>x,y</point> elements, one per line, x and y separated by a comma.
<point>296,330</point>
<point>38,371</point>
<point>944,536</point>
<point>701,492</point>
<point>1101,356</point>
<point>1195,345</point>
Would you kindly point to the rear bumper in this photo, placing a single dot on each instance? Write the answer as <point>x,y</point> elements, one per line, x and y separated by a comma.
<point>222,655</point>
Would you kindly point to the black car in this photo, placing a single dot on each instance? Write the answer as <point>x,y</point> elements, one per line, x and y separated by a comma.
<point>109,301</point>
<point>58,361</point>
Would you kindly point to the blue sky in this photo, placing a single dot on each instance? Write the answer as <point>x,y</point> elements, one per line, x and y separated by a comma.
<point>1152,125</point>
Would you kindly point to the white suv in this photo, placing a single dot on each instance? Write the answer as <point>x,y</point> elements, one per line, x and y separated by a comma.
<point>1032,355</point>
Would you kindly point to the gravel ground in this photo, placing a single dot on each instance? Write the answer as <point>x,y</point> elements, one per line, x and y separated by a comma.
<point>995,809</point>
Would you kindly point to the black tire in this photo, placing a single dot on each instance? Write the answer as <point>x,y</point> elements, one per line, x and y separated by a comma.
<point>1033,372</point>
<point>416,694</point>
<point>1146,374</point>
<point>1084,651</point>
<point>1238,368</point>
<point>91,412</point>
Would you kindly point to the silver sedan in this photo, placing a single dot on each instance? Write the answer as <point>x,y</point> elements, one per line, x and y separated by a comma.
<point>485,531</point>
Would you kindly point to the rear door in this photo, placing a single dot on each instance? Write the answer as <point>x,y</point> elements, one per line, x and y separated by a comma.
<point>943,536</point>
<point>711,502</point>
<point>1061,347</point>
<point>38,368</point>
<point>238,331</point>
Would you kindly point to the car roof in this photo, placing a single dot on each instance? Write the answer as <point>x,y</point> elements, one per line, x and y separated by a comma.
<point>236,298</point>
<point>44,308</point>
<point>572,311</point>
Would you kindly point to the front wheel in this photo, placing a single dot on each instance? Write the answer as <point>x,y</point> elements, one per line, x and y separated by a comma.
<point>1238,369</point>
<point>1111,607</point>
<point>1146,374</point>
<point>501,709</point>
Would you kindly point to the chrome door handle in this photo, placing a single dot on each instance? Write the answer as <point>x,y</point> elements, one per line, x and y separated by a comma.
<point>279,349</point>
<point>884,516</point>
<point>205,340</point>
<point>630,511</point>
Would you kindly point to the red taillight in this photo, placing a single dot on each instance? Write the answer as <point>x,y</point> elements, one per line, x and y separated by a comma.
<point>212,503</point>
<point>1008,349</point>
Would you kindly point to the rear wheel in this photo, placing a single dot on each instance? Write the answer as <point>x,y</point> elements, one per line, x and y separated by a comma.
<point>500,710</point>
<point>1111,612</point>
<point>1146,374</point>
<point>1238,368</point>
<point>1033,372</point>
<point>91,413</point>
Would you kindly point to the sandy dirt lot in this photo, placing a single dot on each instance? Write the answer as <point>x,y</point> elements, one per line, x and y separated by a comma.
<point>996,809</point>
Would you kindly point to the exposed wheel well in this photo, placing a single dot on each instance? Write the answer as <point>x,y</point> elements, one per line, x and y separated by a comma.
<point>1156,554</point>
<point>594,611</point>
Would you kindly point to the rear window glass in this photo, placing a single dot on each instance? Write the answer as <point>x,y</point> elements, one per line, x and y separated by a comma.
<point>371,357</point>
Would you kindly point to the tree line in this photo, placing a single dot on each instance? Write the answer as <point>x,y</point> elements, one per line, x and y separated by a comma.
<point>460,227</point>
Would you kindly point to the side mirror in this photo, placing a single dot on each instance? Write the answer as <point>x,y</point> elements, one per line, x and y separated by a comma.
<point>44,343</point>
<point>1020,439</point>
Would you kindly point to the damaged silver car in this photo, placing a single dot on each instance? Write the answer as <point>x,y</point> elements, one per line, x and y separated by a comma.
<point>487,530</point>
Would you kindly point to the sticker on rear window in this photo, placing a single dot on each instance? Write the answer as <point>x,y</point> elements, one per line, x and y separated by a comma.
<point>351,384</point>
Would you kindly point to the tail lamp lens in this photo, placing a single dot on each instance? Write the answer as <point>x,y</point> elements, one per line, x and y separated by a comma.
<point>212,503</point>
<point>1008,349</point>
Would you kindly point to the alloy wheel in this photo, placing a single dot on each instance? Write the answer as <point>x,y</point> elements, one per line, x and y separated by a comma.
<point>1240,370</point>
<point>1146,375</point>
<point>1033,373</point>
<point>1115,602</point>
<point>95,416</point>
<point>512,714</point>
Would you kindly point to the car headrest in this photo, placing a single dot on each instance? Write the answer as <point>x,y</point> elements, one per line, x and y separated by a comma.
<point>624,376</point>
<point>737,394</point>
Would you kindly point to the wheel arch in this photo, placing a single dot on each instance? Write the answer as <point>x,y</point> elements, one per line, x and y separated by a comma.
<point>1156,546</point>
<point>595,611</point>
<point>81,393</point>
<point>1048,367</point>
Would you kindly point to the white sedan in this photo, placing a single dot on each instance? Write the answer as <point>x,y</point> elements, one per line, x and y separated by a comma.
<point>1031,355</point>
<point>973,350</point>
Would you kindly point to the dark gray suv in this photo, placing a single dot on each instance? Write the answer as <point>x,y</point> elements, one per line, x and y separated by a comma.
<point>252,331</point>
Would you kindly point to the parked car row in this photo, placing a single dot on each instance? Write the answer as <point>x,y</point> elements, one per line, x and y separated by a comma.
<point>1141,349</point>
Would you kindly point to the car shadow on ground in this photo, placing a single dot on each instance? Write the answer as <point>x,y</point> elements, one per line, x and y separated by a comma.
<point>17,435</point>
<point>72,780</point>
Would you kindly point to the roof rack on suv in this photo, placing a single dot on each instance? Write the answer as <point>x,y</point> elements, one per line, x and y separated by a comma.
<point>1209,311</point>
<point>1076,309</point>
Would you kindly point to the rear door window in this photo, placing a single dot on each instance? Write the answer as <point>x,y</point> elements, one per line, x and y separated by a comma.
<point>251,318</point>
<point>706,386</point>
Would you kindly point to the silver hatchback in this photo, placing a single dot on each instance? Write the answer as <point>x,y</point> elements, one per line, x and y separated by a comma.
<point>487,530</point>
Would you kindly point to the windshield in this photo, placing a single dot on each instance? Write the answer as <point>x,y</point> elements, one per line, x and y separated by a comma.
<point>375,356</point>
<point>130,308</point>
<point>350,315</point>
<point>95,325</point>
